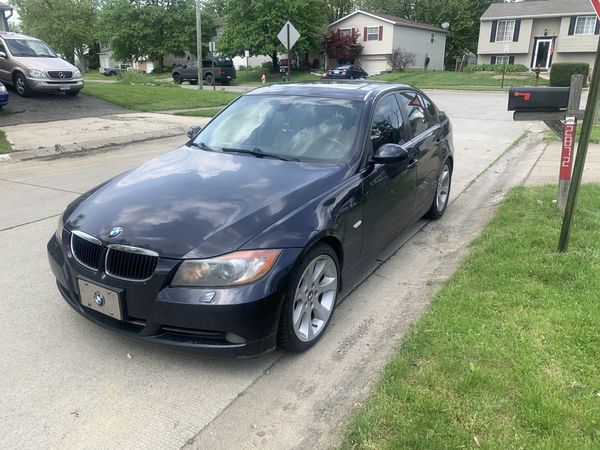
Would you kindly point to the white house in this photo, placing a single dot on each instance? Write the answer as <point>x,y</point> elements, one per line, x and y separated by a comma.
<point>382,33</point>
<point>538,33</point>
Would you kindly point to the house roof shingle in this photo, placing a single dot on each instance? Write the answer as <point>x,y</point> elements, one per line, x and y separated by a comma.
<point>395,20</point>
<point>540,8</point>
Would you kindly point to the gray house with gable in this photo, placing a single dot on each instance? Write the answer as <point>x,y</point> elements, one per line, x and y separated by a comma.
<point>5,13</point>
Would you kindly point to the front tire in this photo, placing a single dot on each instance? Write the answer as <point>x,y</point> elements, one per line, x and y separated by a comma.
<point>310,299</point>
<point>442,192</point>
<point>177,78</point>
<point>209,79</point>
<point>21,85</point>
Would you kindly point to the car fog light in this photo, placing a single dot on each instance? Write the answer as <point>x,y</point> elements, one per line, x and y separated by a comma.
<point>234,338</point>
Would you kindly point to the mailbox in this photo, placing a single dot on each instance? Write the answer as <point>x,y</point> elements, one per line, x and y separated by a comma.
<point>538,99</point>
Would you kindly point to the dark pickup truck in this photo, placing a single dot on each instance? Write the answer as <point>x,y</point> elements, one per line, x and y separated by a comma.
<point>214,70</point>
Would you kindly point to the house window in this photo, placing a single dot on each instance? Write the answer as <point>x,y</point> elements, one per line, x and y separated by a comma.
<point>585,25</point>
<point>505,31</point>
<point>372,33</point>
<point>345,32</point>
<point>504,59</point>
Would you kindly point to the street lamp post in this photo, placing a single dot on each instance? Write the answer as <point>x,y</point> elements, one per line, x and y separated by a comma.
<point>199,42</point>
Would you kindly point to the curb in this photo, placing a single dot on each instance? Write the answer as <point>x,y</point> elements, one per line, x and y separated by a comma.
<point>64,151</point>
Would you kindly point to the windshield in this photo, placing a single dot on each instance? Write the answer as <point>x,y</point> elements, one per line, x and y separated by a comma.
<point>29,48</point>
<point>309,129</point>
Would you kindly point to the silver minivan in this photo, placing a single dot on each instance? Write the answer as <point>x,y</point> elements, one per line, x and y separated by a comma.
<point>29,65</point>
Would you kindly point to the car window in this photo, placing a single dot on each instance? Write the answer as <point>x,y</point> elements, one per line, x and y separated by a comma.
<point>2,49</point>
<point>29,48</point>
<point>311,129</point>
<point>387,126</point>
<point>419,110</point>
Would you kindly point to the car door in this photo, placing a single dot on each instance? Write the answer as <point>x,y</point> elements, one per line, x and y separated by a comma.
<point>424,145</point>
<point>191,71</point>
<point>388,189</point>
<point>4,65</point>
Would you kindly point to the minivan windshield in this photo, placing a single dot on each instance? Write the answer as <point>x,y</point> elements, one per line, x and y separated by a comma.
<point>310,129</point>
<point>29,48</point>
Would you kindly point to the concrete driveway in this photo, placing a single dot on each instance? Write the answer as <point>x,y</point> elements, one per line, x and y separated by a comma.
<point>53,106</point>
<point>69,384</point>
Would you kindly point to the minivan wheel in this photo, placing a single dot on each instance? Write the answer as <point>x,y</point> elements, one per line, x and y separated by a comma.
<point>21,86</point>
<point>442,192</point>
<point>310,299</point>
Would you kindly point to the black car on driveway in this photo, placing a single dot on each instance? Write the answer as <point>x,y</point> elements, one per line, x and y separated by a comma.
<point>251,233</point>
<point>215,70</point>
<point>349,72</point>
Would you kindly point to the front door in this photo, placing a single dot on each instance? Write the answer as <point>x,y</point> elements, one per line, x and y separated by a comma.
<point>543,49</point>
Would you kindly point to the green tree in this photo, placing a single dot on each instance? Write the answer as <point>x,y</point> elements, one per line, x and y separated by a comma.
<point>68,26</point>
<point>254,24</point>
<point>151,28</point>
<point>336,9</point>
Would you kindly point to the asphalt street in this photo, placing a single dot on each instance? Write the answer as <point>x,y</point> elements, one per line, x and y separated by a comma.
<point>53,106</point>
<point>69,384</point>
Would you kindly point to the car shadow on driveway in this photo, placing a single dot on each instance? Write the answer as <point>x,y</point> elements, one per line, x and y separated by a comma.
<point>46,107</point>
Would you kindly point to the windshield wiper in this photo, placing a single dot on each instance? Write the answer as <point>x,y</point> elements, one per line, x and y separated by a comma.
<point>203,146</point>
<point>259,153</point>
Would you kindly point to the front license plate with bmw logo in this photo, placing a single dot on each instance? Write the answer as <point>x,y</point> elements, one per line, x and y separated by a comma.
<point>98,298</point>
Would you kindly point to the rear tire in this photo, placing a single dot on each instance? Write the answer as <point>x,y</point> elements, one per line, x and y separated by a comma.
<point>442,192</point>
<point>21,85</point>
<point>310,299</point>
<point>209,79</point>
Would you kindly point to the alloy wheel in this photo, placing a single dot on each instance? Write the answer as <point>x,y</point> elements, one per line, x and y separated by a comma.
<point>315,297</point>
<point>443,188</point>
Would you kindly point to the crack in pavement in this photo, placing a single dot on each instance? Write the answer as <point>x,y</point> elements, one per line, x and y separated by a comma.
<point>40,186</point>
<point>29,223</point>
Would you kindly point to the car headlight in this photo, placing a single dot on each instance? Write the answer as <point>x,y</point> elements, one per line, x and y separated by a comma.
<point>77,74</point>
<point>2,88</point>
<point>60,228</point>
<point>227,270</point>
<point>37,73</point>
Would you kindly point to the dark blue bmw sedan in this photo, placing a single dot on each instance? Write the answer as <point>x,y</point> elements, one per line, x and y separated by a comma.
<point>250,234</point>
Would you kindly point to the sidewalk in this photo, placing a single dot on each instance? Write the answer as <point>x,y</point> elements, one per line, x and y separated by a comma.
<point>63,136</point>
<point>545,170</point>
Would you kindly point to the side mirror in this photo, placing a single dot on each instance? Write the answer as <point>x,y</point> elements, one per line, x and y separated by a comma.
<point>390,153</point>
<point>193,132</point>
<point>2,55</point>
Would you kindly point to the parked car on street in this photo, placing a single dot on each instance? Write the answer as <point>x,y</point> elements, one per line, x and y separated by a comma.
<point>349,72</point>
<point>29,65</point>
<point>214,70</point>
<point>251,233</point>
<point>117,70</point>
<point>3,96</point>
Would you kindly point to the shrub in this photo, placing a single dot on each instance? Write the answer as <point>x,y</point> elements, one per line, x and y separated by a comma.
<point>400,59</point>
<point>510,68</point>
<point>560,73</point>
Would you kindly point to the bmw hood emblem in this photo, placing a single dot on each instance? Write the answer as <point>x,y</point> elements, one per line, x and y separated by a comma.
<point>115,232</point>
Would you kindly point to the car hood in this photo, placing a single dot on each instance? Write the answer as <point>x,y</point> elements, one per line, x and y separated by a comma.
<point>45,64</point>
<point>192,203</point>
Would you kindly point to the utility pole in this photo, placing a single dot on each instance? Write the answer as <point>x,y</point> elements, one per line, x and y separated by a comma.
<point>199,42</point>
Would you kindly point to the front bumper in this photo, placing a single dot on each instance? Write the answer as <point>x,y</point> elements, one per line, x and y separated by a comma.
<point>239,321</point>
<point>48,85</point>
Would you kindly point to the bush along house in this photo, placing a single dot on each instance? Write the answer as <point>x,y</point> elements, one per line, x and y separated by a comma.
<point>5,13</point>
<point>538,33</point>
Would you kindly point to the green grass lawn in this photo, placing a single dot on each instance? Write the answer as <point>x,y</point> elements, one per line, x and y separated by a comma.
<point>157,97</point>
<point>252,76</point>
<point>594,136</point>
<point>5,146</point>
<point>459,80</point>
<point>508,356</point>
<point>209,112</point>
